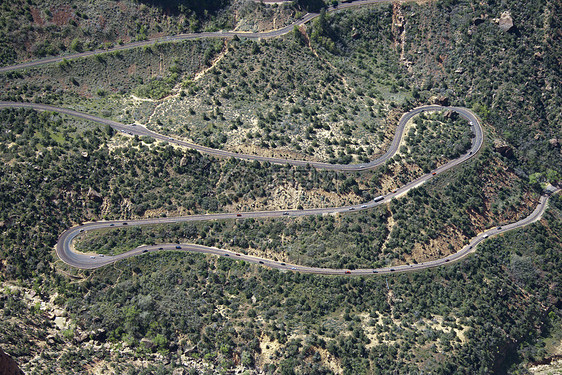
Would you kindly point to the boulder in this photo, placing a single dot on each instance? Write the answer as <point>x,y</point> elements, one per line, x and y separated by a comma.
<point>505,21</point>
<point>478,20</point>
<point>503,148</point>
<point>440,100</point>
<point>451,115</point>
<point>94,195</point>
<point>147,343</point>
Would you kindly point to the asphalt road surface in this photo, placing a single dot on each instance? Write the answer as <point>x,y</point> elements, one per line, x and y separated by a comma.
<point>85,261</point>
<point>192,36</point>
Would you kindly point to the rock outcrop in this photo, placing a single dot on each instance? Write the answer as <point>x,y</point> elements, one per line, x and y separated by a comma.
<point>505,21</point>
<point>503,148</point>
<point>94,195</point>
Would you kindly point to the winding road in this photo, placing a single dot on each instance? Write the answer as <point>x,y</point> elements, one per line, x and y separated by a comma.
<point>192,36</point>
<point>84,261</point>
<point>64,248</point>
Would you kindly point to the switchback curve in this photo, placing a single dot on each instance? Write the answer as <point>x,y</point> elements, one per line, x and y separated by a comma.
<point>83,261</point>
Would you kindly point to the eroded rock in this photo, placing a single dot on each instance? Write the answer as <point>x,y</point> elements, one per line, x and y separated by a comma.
<point>503,148</point>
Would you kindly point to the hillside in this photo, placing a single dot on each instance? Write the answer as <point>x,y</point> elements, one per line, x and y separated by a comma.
<point>31,29</point>
<point>331,90</point>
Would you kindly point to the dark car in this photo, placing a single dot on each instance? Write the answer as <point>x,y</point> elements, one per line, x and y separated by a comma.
<point>178,247</point>
<point>260,262</point>
<point>145,251</point>
<point>125,224</point>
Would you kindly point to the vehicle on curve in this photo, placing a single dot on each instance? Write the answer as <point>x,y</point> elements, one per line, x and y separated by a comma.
<point>379,198</point>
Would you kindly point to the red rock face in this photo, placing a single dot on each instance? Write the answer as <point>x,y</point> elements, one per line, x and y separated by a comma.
<point>8,366</point>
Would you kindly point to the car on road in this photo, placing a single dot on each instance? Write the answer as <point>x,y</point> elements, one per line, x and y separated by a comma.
<point>394,191</point>
<point>293,268</point>
<point>178,247</point>
<point>237,254</point>
<point>81,230</point>
<point>101,255</point>
<point>364,206</point>
<point>446,260</point>
<point>125,224</point>
<point>238,215</point>
<point>379,198</point>
<point>499,228</point>
<point>226,255</point>
<point>486,236</point>
<point>92,257</point>
<point>375,271</point>
<point>112,225</point>
<point>351,208</point>
<point>347,271</point>
<point>283,264</point>
<point>160,248</point>
<point>392,270</point>
<point>285,213</point>
<point>260,262</point>
<point>434,173</point>
<point>145,251</point>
